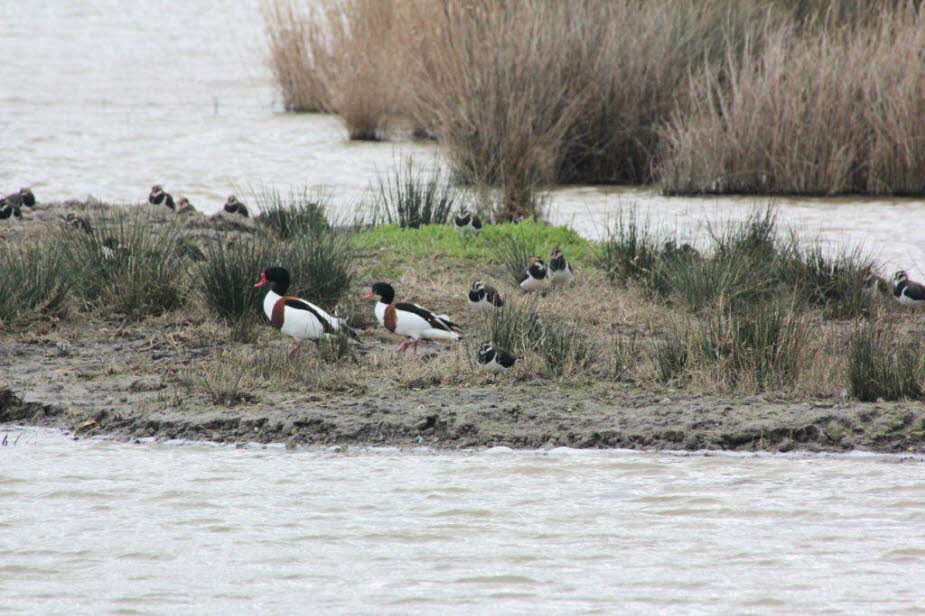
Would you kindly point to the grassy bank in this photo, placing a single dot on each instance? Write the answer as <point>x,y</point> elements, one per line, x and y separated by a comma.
<point>755,309</point>
<point>717,96</point>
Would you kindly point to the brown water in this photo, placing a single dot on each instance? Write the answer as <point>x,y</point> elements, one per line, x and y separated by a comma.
<point>101,527</point>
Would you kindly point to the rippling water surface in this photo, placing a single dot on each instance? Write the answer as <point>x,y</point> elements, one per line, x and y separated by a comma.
<point>103,527</point>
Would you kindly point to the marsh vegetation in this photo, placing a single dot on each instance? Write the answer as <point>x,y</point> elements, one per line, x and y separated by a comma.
<point>719,96</point>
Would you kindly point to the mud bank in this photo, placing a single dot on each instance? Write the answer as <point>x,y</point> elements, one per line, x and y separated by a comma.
<point>520,417</point>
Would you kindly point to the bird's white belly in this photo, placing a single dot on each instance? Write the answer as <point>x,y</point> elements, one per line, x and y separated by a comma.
<point>532,284</point>
<point>561,276</point>
<point>492,367</point>
<point>903,299</point>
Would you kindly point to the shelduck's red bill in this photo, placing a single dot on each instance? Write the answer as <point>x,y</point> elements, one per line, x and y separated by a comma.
<point>263,280</point>
<point>369,295</point>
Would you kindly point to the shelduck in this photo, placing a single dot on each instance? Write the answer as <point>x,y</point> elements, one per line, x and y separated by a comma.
<point>410,320</point>
<point>906,291</point>
<point>296,317</point>
<point>560,271</point>
<point>495,360</point>
<point>484,297</point>
<point>468,223</point>
<point>233,206</point>
<point>535,276</point>
<point>159,197</point>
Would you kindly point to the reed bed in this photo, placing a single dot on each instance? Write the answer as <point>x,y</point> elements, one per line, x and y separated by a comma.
<point>702,97</point>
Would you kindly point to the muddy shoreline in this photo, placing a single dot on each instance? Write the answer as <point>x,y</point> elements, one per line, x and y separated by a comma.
<point>486,417</point>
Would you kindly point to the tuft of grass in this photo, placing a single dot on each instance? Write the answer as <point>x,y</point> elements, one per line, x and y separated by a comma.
<point>631,250</point>
<point>223,381</point>
<point>129,267</point>
<point>564,348</point>
<point>624,356</point>
<point>755,350</point>
<point>834,281</point>
<point>321,268</point>
<point>884,364</point>
<point>410,195</point>
<point>34,280</point>
<point>670,354</point>
<point>515,327</point>
<point>514,252</point>
<point>301,212</point>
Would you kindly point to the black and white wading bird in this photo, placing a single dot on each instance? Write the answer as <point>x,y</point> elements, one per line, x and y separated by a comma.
<point>412,321</point>
<point>468,223</point>
<point>560,271</point>
<point>159,197</point>
<point>495,360</point>
<point>906,291</point>
<point>535,277</point>
<point>11,205</point>
<point>484,296</point>
<point>233,206</point>
<point>296,317</point>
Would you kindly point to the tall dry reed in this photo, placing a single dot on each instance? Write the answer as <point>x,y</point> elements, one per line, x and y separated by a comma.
<point>838,111</point>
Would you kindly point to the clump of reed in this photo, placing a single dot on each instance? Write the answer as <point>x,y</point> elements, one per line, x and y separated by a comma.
<point>131,268</point>
<point>300,55</point>
<point>411,195</point>
<point>885,364</point>
<point>300,212</point>
<point>701,96</point>
<point>807,110</point>
<point>35,280</point>
<point>744,264</point>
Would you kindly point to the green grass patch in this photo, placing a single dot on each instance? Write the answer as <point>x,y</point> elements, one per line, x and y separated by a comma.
<point>443,240</point>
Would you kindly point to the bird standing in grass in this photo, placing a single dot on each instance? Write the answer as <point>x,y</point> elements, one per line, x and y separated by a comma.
<point>11,205</point>
<point>495,360</point>
<point>467,223</point>
<point>296,317</point>
<point>412,321</point>
<point>185,207</point>
<point>159,197</point>
<point>906,291</point>
<point>535,276</point>
<point>233,206</point>
<point>484,297</point>
<point>560,271</point>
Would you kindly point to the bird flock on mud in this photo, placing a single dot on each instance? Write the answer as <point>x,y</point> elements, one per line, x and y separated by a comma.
<point>302,320</point>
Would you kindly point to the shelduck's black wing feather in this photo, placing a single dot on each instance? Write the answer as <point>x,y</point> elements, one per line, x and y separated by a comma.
<point>300,304</point>
<point>427,315</point>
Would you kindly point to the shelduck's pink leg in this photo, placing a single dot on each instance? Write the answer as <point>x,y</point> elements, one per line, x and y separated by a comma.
<point>295,349</point>
<point>403,346</point>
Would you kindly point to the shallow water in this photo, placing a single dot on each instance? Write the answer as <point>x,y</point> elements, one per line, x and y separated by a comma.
<point>96,526</point>
<point>106,99</point>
